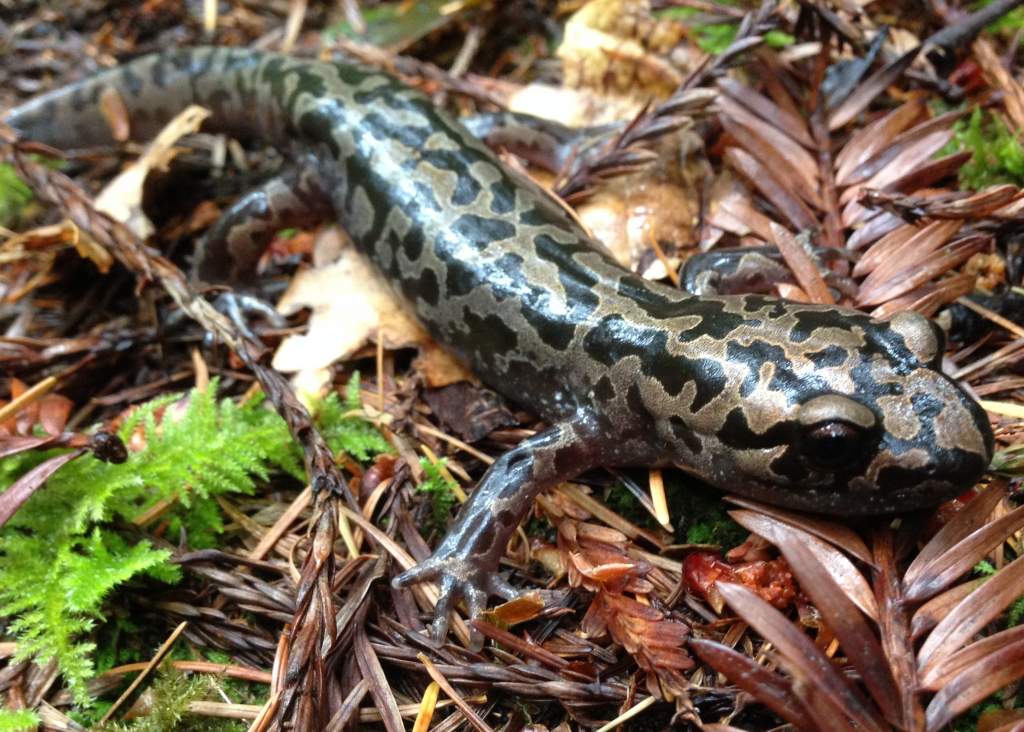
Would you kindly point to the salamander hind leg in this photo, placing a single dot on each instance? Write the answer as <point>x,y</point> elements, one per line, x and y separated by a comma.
<point>466,561</point>
<point>233,246</point>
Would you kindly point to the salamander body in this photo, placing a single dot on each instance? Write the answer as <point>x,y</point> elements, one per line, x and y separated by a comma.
<point>818,408</point>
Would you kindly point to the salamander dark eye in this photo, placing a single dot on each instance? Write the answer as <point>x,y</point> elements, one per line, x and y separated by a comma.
<point>836,432</point>
<point>833,446</point>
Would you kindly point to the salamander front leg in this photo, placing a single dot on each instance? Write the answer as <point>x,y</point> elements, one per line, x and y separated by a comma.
<point>466,561</point>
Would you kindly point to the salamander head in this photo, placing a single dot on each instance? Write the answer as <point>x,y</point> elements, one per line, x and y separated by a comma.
<point>832,411</point>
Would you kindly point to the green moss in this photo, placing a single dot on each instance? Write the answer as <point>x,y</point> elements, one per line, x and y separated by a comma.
<point>170,694</point>
<point>1008,23</point>
<point>21,720</point>
<point>63,553</point>
<point>344,430</point>
<point>1009,461</point>
<point>440,490</point>
<point>394,24</point>
<point>997,156</point>
<point>700,513</point>
<point>14,197</point>
<point>716,37</point>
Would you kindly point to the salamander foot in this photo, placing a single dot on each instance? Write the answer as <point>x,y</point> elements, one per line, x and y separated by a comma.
<point>461,577</point>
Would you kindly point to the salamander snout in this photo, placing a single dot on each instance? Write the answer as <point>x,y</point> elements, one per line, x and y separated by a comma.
<point>936,441</point>
<point>911,443</point>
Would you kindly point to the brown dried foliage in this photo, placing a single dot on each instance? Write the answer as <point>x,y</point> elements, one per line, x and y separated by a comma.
<point>925,653</point>
<point>598,559</point>
<point>851,177</point>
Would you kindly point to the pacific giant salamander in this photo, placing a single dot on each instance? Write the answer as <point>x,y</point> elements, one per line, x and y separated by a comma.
<point>813,407</point>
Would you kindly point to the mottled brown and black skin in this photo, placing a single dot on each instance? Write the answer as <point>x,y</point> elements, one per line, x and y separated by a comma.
<point>743,390</point>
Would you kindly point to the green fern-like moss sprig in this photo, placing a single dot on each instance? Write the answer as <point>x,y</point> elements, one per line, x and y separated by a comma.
<point>20,720</point>
<point>343,427</point>
<point>998,154</point>
<point>60,556</point>
<point>440,489</point>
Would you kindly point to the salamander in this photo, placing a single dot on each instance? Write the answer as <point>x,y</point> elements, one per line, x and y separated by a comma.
<point>806,406</point>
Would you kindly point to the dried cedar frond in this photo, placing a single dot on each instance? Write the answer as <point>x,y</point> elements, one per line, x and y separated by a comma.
<point>597,558</point>
<point>652,637</point>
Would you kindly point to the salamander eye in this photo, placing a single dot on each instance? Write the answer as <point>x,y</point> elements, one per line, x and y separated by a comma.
<point>833,446</point>
<point>836,432</point>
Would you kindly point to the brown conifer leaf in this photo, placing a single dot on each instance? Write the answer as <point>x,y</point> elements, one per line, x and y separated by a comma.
<point>978,652</point>
<point>54,410</point>
<point>43,408</point>
<point>931,172</point>
<point>380,689</point>
<point>914,274</point>
<point>787,121</point>
<point>907,139</point>
<point>801,160</point>
<point>903,163</point>
<point>595,557</point>
<point>830,531</point>
<point>974,516</point>
<point>792,292</point>
<point>1012,212</point>
<point>776,81</point>
<point>521,646</point>
<point>875,137</point>
<point>998,719</point>
<point>953,205</point>
<point>1002,667</point>
<point>873,229</point>
<point>820,707</point>
<point>655,639</point>
<point>731,209</point>
<point>884,250</point>
<point>929,297</point>
<point>932,612</point>
<point>972,614</point>
<point>802,266</point>
<point>863,95</point>
<point>803,659</point>
<point>792,176</point>
<point>771,689</point>
<point>13,444</point>
<point>115,114</point>
<point>856,637</point>
<point>22,489</point>
<point>963,556</point>
<point>998,76</point>
<point>523,608</point>
<point>838,565</point>
<point>796,212</point>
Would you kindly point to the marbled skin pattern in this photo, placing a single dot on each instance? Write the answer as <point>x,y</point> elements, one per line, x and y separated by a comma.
<point>813,407</point>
